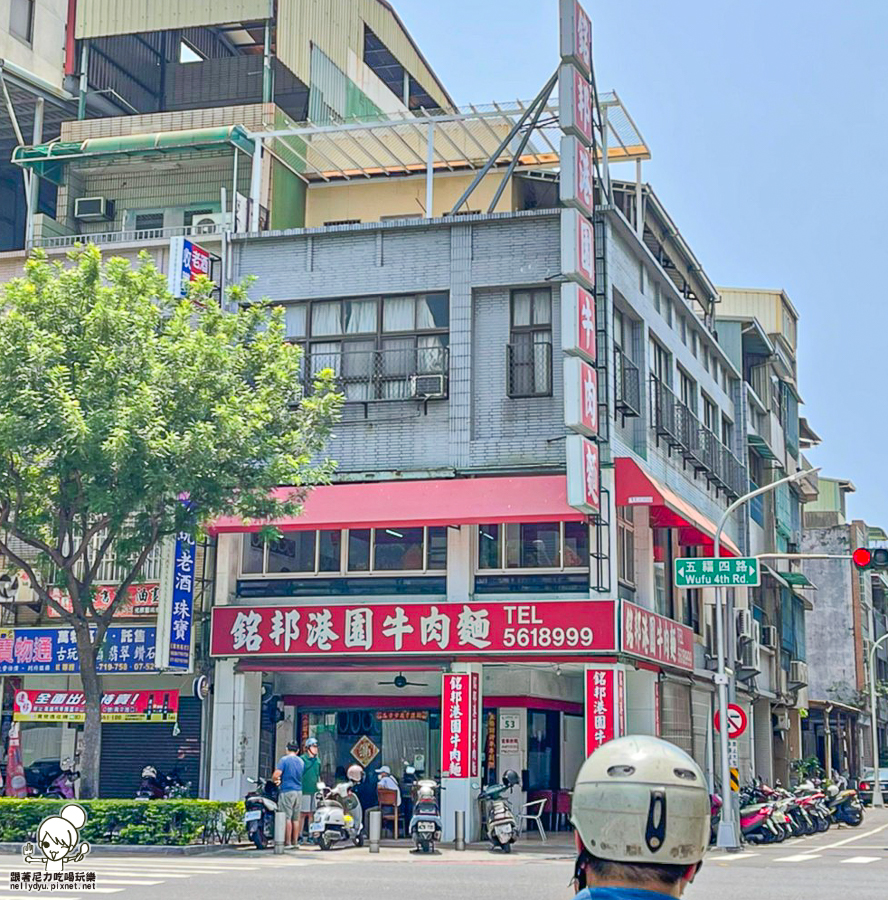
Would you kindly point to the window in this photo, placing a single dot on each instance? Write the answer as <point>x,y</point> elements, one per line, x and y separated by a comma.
<point>375,345</point>
<point>688,390</point>
<point>188,53</point>
<point>727,432</point>
<point>641,276</point>
<point>663,592</point>
<point>538,545</point>
<point>334,222</point>
<point>626,546</point>
<point>657,296</point>
<point>21,19</point>
<point>356,551</point>
<point>661,363</point>
<point>789,326</point>
<point>694,343</point>
<point>149,221</point>
<point>668,312</point>
<point>683,329</point>
<point>691,600</point>
<point>710,414</point>
<point>529,354</point>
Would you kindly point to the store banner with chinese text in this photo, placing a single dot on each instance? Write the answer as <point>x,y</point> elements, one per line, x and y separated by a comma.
<point>605,689</point>
<point>118,706</point>
<point>515,628</point>
<point>654,637</point>
<point>140,600</point>
<point>53,651</point>
<point>460,725</point>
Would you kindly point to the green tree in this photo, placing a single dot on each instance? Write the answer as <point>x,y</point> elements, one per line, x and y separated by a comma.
<point>118,401</point>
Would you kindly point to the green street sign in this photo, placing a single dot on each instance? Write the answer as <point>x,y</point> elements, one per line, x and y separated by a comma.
<point>740,571</point>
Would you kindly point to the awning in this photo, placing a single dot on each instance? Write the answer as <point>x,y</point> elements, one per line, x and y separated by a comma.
<point>796,579</point>
<point>635,487</point>
<point>761,446</point>
<point>439,501</point>
<point>47,160</point>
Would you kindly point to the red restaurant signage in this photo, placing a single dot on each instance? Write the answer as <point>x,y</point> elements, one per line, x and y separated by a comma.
<point>654,637</point>
<point>583,473</point>
<point>118,706</point>
<point>575,104</point>
<point>576,34</point>
<point>576,176</point>
<point>605,705</point>
<point>459,725</point>
<point>517,628</point>
<point>577,248</point>
<point>578,322</point>
<point>580,396</point>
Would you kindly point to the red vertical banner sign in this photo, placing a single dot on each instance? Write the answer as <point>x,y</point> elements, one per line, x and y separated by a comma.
<point>605,705</point>
<point>459,725</point>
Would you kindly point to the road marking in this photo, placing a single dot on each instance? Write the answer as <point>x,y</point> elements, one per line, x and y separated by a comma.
<point>798,857</point>
<point>861,859</point>
<point>730,857</point>
<point>857,837</point>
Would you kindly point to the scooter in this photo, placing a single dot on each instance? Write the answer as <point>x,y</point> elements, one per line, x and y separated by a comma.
<point>62,787</point>
<point>425,823</point>
<point>338,816</point>
<point>150,785</point>
<point>259,809</point>
<point>502,829</point>
<point>715,805</point>
<point>844,806</point>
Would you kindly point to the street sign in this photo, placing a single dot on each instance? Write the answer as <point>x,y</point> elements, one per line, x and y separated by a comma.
<point>737,721</point>
<point>738,571</point>
<point>733,754</point>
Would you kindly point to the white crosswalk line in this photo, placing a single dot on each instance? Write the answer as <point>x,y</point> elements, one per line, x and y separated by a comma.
<point>798,857</point>
<point>851,840</point>
<point>862,860</point>
<point>732,857</point>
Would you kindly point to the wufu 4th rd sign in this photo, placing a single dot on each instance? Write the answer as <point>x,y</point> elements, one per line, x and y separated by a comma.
<point>740,571</point>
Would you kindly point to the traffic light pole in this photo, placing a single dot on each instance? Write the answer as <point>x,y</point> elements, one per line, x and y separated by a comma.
<point>874,712</point>
<point>729,826</point>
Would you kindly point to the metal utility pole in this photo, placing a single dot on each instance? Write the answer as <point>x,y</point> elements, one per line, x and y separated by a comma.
<point>728,828</point>
<point>874,712</point>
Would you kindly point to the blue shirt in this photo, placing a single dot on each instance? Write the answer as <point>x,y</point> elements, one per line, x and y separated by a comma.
<point>612,893</point>
<point>291,768</point>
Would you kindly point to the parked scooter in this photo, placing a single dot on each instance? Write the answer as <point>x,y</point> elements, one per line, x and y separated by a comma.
<point>758,821</point>
<point>62,787</point>
<point>715,805</point>
<point>150,785</point>
<point>425,824</point>
<point>502,828</point>
<point>338,816</point>
<point>259,809</point>
<point>844,805</point>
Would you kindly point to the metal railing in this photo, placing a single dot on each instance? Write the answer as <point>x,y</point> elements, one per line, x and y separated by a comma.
<point>529,369</point>
<point>404,373</point>
<point>627,380</point>
<point>675,422</point>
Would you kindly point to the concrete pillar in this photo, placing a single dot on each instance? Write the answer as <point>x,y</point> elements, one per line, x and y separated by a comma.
<point>641,702</point>
<point>459,793</point>
<point>459,564</point>
<point>237,699</point>
<point>644,556</point>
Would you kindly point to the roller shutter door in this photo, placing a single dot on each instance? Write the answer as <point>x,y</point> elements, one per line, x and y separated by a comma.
<point>676,724</point>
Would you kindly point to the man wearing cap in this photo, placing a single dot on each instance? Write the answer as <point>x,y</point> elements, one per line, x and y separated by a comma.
<point>641,813</point>
<point>288,776</point>
<point>310,774</point>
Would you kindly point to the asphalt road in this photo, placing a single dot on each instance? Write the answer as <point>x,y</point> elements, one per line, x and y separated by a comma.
<point>845,862</point>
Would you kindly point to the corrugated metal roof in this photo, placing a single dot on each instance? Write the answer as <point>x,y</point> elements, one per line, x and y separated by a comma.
<point>102,18</point>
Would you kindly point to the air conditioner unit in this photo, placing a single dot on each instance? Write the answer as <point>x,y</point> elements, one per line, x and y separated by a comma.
<point>93,209</point>
<point>750,659</point>
<point>798,673</point>
<point>428,387</point>
<point>744,624</point>
<point>769,637</point>
<point>781,722</point>
<point>208,223</point>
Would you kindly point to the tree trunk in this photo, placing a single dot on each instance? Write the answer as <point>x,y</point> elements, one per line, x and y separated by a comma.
<point>90,752</point>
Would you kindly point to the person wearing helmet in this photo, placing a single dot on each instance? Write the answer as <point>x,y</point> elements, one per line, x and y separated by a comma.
<point>310,774</point>
<point>641,813</point>
<point>288,775</point>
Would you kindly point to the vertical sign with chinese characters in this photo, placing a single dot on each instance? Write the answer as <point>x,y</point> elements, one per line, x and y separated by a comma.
<point>580,396</point>
<point>188,261</point>
<point>459,725</point>
<point>176,612</point>
<point>605,705</point>
<point>578,332</point>
<point>583,474</point>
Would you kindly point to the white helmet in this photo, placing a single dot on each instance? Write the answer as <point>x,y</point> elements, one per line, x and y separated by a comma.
<point>640,799</point>
<point>355,773</point>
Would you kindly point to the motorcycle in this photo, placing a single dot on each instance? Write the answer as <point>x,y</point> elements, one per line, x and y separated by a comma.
<point>338,816</point>
<point>425,823</point>
<point>759,822</point>
<point>155,785</point>
<point>715,805</point>
<point>260,806</point>
<point>502,828</point>
<point>62,787</point>
<point>814,803</point>
<point>844,805</point>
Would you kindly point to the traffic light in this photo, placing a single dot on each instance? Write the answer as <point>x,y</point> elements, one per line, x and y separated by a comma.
<point>870,558</point>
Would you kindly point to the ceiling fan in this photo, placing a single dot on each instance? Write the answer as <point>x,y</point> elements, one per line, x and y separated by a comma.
<point>399,681</point>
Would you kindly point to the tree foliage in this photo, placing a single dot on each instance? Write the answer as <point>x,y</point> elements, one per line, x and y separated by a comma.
<point>127,415</point>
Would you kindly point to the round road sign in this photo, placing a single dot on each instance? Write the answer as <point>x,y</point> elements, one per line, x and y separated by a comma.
<point>736,721</point>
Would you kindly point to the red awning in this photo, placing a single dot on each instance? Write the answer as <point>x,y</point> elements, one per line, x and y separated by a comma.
<point>439,501</point>
<point>635,487</point>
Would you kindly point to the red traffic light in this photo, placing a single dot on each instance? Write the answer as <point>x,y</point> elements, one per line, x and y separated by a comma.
<point>862,557</point>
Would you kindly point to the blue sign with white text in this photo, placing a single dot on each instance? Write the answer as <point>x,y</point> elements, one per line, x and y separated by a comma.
<point>53,651</point>
<point>182,615</point>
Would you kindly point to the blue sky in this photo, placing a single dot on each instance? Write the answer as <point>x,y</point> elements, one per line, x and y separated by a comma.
<point>767,123</point>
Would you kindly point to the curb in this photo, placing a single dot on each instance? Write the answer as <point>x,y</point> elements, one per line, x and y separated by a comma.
<point>140,849</point>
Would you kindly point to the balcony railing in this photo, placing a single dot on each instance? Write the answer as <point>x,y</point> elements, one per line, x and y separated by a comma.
<point>676,423</point>
<point>628,385</point>
<point>529,369</point>
<point>405,373</point>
